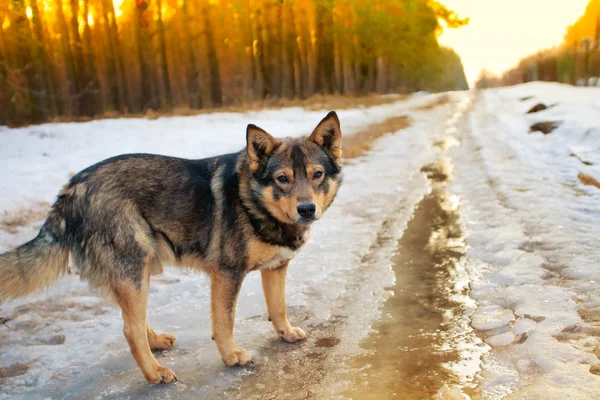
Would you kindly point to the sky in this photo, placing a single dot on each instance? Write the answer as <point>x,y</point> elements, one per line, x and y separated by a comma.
<point>502,32</point>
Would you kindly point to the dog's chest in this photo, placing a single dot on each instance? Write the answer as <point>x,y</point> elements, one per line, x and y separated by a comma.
<point>279,257</point>
<point>263,255</point>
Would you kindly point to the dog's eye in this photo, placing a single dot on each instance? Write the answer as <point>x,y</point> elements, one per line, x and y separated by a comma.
<point>282,179</point>
<point>317,174</point>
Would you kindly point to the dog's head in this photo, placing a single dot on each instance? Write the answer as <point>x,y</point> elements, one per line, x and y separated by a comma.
<point>296,180</point>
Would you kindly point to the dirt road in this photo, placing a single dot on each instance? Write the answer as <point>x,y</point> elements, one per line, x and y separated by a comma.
<point>431,277</point>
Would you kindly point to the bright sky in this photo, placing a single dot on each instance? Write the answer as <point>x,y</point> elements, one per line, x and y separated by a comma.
<point>502,32</point>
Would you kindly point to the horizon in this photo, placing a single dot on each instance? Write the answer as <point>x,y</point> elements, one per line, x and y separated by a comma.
<point>484,43</point>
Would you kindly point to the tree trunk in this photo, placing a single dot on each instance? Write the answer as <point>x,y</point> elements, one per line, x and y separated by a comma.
<point>244,26</point>
<point>296,57</point>
<point>382,83</point>
<point>81,103</point>
<point>325,77</point>
<point>257,53</point>
<point>287,45</point>
<point>116,100</point>
<point>72,89</point>
<point>93,98</point>
<point>348,74</point>
<point>275,49</point>
<point>191,69</point>
<point>303,55</point>
<point>6,117</point>
<point>43,66</point>
<point>339,78</point>
<point>162,53</point>
<point>121,74</point>
<point>213,60</point>
<point>146,93</point>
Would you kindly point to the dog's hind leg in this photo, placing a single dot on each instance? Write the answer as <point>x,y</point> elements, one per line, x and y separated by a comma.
<point>159,341</point>
<point>225,288</point>
<point>273,282</point>
<point>134,302</point>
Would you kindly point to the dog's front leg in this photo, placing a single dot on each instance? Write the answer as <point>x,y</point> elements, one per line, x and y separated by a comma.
<point>225,288</point>
<point>273,281</point>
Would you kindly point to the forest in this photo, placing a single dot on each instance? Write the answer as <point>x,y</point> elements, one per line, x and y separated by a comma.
<point>64,59</point>
<point>576,61</point>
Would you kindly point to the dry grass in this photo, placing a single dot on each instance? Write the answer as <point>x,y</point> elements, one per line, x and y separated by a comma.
<point>361,142</point>
<point>588,180</point>
<point>314,103</point>
<point>11,221</point>
<point>439,101</point>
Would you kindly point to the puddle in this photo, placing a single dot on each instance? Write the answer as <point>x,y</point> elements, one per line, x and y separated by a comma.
<point>423,346</point>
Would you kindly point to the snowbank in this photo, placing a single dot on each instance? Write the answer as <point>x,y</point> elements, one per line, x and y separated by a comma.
<point>532,230</point>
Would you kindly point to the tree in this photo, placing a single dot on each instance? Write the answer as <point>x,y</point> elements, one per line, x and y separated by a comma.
<point>85,57</point>
<point>162,54</point>
<point>213,60</point>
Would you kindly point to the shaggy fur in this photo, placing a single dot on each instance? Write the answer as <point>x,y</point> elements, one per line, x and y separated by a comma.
<point>124,218</point>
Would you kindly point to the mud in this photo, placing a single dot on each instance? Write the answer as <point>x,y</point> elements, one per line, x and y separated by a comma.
<point>415,349</point>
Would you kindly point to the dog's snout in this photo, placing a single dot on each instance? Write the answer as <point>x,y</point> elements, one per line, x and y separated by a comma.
<point>306,210</point>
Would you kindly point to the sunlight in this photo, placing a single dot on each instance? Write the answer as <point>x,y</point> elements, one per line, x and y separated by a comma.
<point>500,33</point>
<point>48,4</point>
<point>29,12</point>
<point>117,4</point>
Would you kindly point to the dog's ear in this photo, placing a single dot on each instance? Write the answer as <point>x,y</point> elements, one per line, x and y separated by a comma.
<point>259,146</point>
<point>329,135</point>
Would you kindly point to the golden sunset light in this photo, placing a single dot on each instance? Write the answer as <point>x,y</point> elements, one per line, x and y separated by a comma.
<point>459,259</point>
<point>500,33</point>
<point>117,4</point>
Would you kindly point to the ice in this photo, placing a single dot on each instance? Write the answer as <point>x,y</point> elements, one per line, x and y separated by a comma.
<point>503,339</point>
<point>524,325</point>
<point>533,226</point>
<point>330,279</point>
<point>491,317</point>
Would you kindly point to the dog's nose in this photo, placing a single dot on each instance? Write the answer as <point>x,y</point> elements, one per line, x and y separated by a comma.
<point>306,210</point>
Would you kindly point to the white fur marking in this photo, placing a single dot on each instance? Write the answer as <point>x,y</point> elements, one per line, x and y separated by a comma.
<point>285,254</point>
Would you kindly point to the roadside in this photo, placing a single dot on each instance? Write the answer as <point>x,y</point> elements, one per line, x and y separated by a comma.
<point>532,231</point>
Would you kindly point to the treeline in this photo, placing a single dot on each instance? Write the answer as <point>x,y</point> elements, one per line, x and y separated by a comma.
<point>576,61</point>
<point>75,58</point>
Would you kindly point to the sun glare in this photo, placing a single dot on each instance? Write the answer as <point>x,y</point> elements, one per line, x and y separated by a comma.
<point>501,33</point>
<point>29,12</point>
<point>117,4</point>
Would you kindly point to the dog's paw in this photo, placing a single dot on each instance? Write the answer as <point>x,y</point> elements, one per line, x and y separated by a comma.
<point>238,358</point>
<point>292,334</point>
<point>162,375</point>
<point>162,342</point>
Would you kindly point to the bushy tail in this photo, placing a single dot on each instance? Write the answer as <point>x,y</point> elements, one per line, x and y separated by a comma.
<point>37,263</point>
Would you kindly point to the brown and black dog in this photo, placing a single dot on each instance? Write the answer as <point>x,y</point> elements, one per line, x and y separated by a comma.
<point>124,218</point>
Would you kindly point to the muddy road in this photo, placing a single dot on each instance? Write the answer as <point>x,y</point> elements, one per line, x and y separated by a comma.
<point>381,290</point>
<point>458,261</point>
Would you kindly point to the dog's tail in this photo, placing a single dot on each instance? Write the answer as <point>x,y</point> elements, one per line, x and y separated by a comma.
<point>37,263</point>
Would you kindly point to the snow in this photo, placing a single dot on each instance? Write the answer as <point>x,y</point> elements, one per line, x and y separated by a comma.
<point>531,227</point>
<point>325,281</point>
<point>502,339</point>
<point>491,317</point>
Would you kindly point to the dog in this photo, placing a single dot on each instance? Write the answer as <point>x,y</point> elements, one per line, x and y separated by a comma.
<point>122,219</point>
